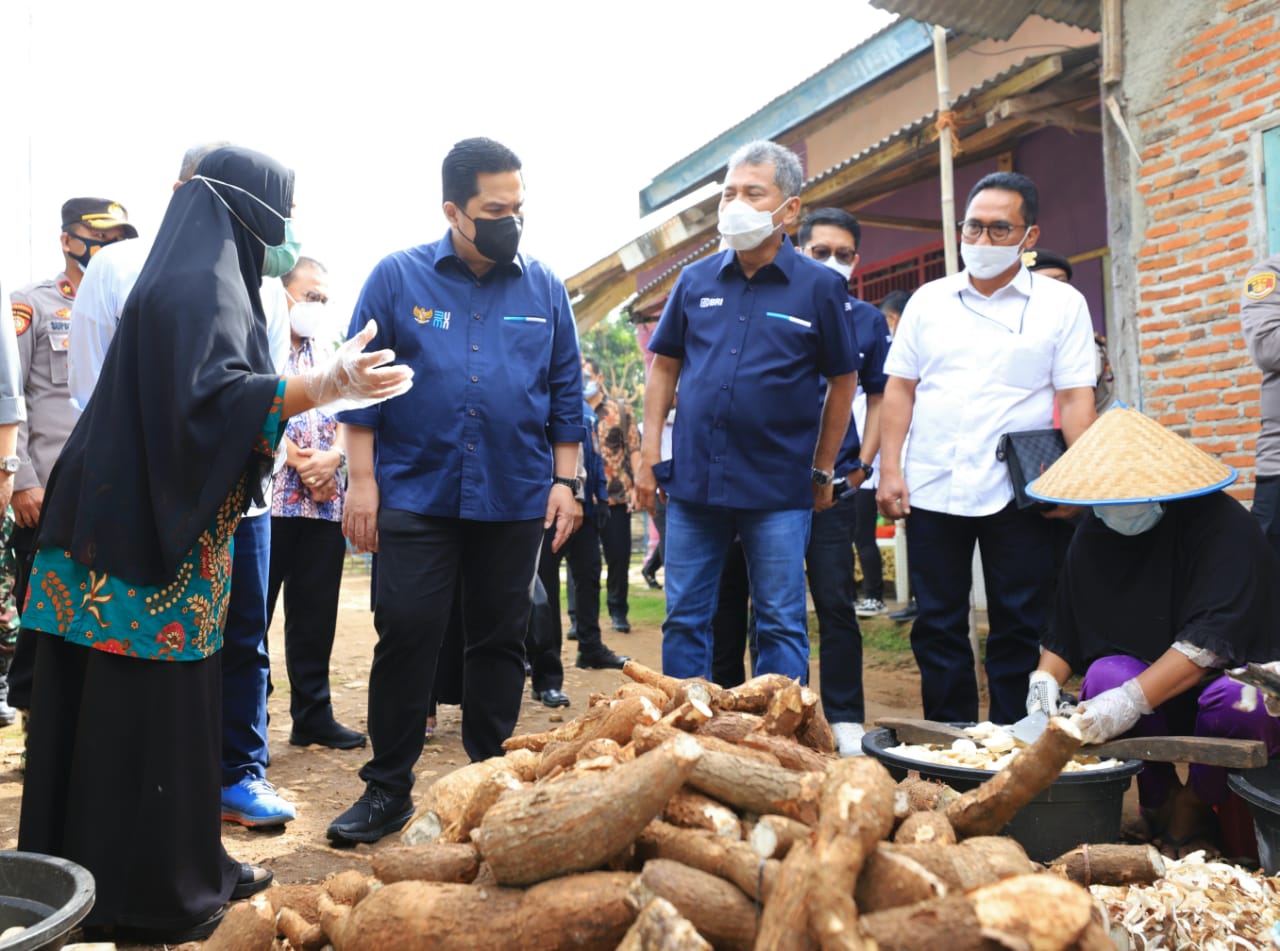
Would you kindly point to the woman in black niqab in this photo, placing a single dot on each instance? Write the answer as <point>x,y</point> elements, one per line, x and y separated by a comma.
<point>130,585</point>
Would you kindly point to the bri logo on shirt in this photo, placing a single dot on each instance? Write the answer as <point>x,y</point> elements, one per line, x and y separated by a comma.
<point>711,302</point>
<point>432,317</point>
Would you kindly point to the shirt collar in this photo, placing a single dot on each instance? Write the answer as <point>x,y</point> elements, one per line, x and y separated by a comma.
<point>445,251</point>
<point>777,271</point>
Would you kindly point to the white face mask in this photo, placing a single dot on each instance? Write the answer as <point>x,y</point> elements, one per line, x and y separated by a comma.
<point>985,261</point>
<point>743,227</point>
<point>844,270</point>
<point>1130,519</point>
<point>307,318</point>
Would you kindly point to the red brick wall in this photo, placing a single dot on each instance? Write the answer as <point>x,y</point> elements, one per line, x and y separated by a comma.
<point>1196,181</point>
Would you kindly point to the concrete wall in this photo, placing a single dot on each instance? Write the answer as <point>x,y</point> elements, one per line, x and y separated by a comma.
<point>1201,82</point>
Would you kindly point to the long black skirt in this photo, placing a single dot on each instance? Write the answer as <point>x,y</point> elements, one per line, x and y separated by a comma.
<point>123,777</point>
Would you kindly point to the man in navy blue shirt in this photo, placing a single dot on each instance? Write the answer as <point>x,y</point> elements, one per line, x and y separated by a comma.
<point>467,475</point>
<point>747,333</point>
<point>832,236</point>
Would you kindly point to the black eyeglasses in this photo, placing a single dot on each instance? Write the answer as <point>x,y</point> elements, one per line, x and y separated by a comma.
<point>820,252</point>
<point>997,230</point>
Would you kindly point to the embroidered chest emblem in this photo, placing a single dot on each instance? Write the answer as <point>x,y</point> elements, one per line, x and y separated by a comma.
<point>432,317</point>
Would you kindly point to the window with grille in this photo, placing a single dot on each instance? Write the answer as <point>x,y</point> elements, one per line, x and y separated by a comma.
<point>905,272</point>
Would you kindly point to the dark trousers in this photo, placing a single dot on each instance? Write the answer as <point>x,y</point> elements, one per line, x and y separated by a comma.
<point>246,665</point>
<point>659,516</point>
<point>22,667</point>
<point>829,564</point>
<point>615,539</point>
<point>731,626</point>
<point>1017,562</point>
<point>420,559</point>
<point>582,553</point>
<point>544,640</point>
<point>306,561</point>
<point>1266,509</point>
<point>864,539</point>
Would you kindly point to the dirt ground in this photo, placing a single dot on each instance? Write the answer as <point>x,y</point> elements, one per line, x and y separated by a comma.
<point>322,782</point>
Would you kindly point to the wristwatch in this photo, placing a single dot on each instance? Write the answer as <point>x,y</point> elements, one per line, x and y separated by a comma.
<point>821,476</point>
<point>575,484</point>
<point>867,469</point>
<point>10,463</point>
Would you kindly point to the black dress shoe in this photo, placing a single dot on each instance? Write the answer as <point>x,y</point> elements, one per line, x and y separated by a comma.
<point>906,613</point>
<point>602,660</point>
<point>253,879</point>
<point>651,579</point>
<point>336,737</point>
<point>621,625</point>
<point>375,814</point>
<point>572,635</point>
<point>551,697</point>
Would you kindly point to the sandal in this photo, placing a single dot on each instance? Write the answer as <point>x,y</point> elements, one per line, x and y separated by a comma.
<point>252,879</point>
<point>431,727</point>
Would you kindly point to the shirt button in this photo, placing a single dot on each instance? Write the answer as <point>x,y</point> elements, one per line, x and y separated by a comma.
<point>471,412</point>
<point>734,350</point>
<point>741,318</point>
<point>475,316</point>
<point>471,447</point>
<point>475,379</point>
<point>475,346</point>
<point>724,386</point>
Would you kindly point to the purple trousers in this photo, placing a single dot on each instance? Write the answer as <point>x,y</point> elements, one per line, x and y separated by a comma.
<point>1208,710</point>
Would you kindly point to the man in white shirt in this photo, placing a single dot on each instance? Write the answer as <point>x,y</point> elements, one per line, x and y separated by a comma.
<point>247,796</point>
<point>976,355</point>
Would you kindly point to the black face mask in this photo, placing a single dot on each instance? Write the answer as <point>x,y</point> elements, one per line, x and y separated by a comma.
<point>91,247</point>
<point>497,239</point>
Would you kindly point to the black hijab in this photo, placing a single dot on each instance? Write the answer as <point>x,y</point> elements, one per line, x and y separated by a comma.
<point>187,383</point>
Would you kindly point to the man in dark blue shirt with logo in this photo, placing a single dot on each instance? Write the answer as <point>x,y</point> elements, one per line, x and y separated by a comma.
<point>832,236</point>
<point>467,474</point>
<point>747,333</point>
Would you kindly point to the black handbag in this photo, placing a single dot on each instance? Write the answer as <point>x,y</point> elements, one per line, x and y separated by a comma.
<point>1028,454</point>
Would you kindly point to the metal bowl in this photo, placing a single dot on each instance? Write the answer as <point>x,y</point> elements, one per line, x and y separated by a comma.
<point>45,895</point>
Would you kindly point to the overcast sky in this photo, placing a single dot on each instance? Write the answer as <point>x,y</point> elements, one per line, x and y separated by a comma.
<point>364,99</point>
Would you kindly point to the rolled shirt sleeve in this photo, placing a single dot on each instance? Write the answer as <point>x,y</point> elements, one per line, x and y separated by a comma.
<point>565,422</point>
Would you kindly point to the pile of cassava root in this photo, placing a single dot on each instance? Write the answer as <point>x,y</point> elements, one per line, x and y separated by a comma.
<point>680,815</point>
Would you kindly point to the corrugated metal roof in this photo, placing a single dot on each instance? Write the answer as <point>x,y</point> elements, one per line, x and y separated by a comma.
<point>995,19</point>
<point>864,64</point>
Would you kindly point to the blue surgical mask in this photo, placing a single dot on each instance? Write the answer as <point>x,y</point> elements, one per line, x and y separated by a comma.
<point>590,387</point>
<point>1130,519</point>
<point>277,259</point>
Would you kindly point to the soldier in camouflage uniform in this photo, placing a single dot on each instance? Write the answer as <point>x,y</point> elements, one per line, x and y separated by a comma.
<point>12,412</point>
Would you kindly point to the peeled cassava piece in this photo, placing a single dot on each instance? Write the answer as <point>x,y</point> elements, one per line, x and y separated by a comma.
<point>577,824</point>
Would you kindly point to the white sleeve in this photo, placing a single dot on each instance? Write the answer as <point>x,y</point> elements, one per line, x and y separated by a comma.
<point>95,314</point>
<point>1075,361</point>
<point>276,306</point>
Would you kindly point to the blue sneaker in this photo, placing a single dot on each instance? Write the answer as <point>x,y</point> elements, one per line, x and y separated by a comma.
<point>254,802</point>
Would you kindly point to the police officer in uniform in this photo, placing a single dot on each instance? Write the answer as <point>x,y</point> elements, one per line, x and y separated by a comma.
<point>1260,322</point>
<point>42,322</point>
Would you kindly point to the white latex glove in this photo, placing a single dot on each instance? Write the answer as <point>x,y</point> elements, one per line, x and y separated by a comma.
<point>354,379</point>
<point>1043,695</point>
<point>1111,712</point>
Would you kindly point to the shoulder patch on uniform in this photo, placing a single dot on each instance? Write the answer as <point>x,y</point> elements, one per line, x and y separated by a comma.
<point>22,314</point>
<point>1260,285</point>
<point>67,289</point>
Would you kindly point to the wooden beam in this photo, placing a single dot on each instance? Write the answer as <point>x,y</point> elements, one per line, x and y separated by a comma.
<point>1112,42</point>
<point>898,223</point>
<point>593,309</point>
<point>583,281</point>
<point>1035,101</point>
<point>1067,119</point>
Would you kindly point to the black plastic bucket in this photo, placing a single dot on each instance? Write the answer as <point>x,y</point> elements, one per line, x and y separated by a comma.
<point>1260,788</point>
<point>1079,807</point>
<point>45,895</point>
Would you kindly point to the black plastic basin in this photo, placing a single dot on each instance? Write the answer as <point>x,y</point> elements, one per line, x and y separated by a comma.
<point>45,895</point>
<point>1079,807</point>
<point>1260,788</point>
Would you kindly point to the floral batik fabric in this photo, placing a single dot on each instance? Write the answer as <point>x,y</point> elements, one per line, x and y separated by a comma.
<point>181,620</point>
